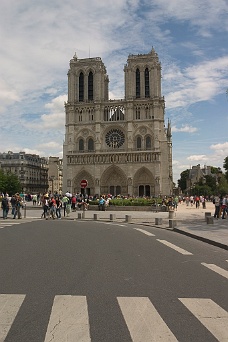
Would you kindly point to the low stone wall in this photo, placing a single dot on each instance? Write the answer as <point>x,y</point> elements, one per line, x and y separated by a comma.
<point>130,208</point>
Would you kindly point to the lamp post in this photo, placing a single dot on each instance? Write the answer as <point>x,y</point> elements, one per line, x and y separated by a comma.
<point>52,178</point>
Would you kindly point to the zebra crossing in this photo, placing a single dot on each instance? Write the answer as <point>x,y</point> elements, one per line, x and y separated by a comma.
<point>11,222</point>
<point>69,318</point>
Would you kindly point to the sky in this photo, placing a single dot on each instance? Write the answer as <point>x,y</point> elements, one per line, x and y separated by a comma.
<point>38,39</point>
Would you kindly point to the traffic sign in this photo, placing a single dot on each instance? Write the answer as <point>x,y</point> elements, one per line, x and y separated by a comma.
<point>84,183</point>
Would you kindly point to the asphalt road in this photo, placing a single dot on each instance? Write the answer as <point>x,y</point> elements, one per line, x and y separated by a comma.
<point>103,281</point>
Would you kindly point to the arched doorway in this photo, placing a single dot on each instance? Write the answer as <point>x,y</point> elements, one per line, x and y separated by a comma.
<point>143,183</point>
<point>114,182</point>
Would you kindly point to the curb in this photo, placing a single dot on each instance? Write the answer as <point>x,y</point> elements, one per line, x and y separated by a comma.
<point>201,238</point>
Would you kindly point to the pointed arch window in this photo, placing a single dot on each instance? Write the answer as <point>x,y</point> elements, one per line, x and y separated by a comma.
<point>81,145</point>
<point>139,143</point>
<point>90,86</point>
<point>148,143</point>
<point>81,87</point>
<point>137,75</point>
<point>147,83</point>
<point>90,145</point>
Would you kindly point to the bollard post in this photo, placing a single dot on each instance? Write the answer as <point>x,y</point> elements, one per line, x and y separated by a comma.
<point>128,218</point>
<point>158,221</point>
<point>207,214</point>
<point>24,210</point>
<point>95,217</point>
<point>79,216</point>
<point>171,214</point>
<point>112,217</point>
<point>210,220</point>
<point>172,223</point>
<point>83,214</point>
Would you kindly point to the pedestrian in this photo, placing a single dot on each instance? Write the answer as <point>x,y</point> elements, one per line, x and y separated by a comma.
<point>52,207</point>
<point>224,206</point>
<point>58,207</point>
<point>45,205</point>
<point>216,202</point>
<point>5,206</point>
<point>65,201</point>
<point>19,205</point>
<point>13,202</point>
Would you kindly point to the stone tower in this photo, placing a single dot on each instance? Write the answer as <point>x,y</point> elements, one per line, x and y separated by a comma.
<point>118,146</point>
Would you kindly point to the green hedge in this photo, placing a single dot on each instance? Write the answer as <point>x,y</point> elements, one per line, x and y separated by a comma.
<point>131,202</point>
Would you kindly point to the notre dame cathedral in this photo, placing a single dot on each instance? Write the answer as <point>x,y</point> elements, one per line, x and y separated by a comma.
<point>120,147</point>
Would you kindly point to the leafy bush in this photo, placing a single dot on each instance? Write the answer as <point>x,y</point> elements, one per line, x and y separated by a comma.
<point>134,201</point>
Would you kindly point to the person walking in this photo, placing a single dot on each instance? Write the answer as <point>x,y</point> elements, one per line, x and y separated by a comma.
<point>19,205</point>
<point>5,206</point>
<point>216,202</point>
<point>58,207</point>
<point>65,201</point>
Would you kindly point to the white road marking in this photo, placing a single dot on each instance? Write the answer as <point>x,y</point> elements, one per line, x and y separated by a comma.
<point>211,315</point>
<point>216,269</point>
<point>143,321</point>
<point>9,306</point>
<point>144,232</point>
<point>69,321</point>
<point>176,248</point>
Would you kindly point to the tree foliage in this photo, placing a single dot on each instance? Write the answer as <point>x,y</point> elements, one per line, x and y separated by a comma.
<point>182,182</point>
<point>9,183</point>
<point>225,165</point>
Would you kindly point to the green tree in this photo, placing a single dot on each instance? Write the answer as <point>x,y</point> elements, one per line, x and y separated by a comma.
<point>9,183</point>
<point>225,165</point>
<point>182,182</point>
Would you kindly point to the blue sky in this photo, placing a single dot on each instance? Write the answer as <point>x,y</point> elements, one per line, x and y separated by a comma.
<point>38,39</point>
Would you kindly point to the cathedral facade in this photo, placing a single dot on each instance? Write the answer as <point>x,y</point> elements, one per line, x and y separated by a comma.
<point>121,147</point>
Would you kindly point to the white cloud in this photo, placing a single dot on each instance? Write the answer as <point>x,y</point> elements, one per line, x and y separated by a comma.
<point>186,129</point>
<point>197,158</point>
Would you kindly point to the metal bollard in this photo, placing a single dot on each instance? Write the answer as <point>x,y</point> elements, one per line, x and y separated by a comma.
<point>128,218</point>
<point>210,220</point>
<point>95,217</point>
<point>79,216</point>
<point>172,223</point>
<point>171,214</point>
<point>207,214</point>
<point>112,217</point>
<point>158,220</point>
<point>24,210</point>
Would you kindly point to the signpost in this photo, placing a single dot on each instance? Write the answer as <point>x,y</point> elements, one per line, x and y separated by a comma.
<point>84,183</point>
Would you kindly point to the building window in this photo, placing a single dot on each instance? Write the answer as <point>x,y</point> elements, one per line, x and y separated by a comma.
<point>137,83</point>
<point>137,114</point>
<point>148,143</point>
<point>147,83</point>
<point>81,87</point>
<point>139,143</point>
<point>81,145</point>
<point>90,145</point>
<point>90,86</point>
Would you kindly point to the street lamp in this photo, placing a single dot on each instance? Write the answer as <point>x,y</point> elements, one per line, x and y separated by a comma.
<point>52,178</point>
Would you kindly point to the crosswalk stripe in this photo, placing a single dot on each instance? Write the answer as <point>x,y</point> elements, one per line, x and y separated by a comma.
<point>211,315</point>
<point>143,321</point>
<point>144,232</point>
<point>9,306</point>
<point>216,269</point>
<point>176,248</point>
<point>69,320</point>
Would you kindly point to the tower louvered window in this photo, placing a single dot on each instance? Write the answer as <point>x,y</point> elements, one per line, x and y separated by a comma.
<point>90,86</point>
<point>137,83</point>
<point>147,83</point>
<point>81,87</point>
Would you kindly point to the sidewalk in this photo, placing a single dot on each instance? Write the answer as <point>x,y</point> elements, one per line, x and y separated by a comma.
<point>189,221</point>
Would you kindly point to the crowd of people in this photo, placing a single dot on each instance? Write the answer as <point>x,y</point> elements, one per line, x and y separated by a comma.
<point>14,203</point>
<point>54,204</point>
